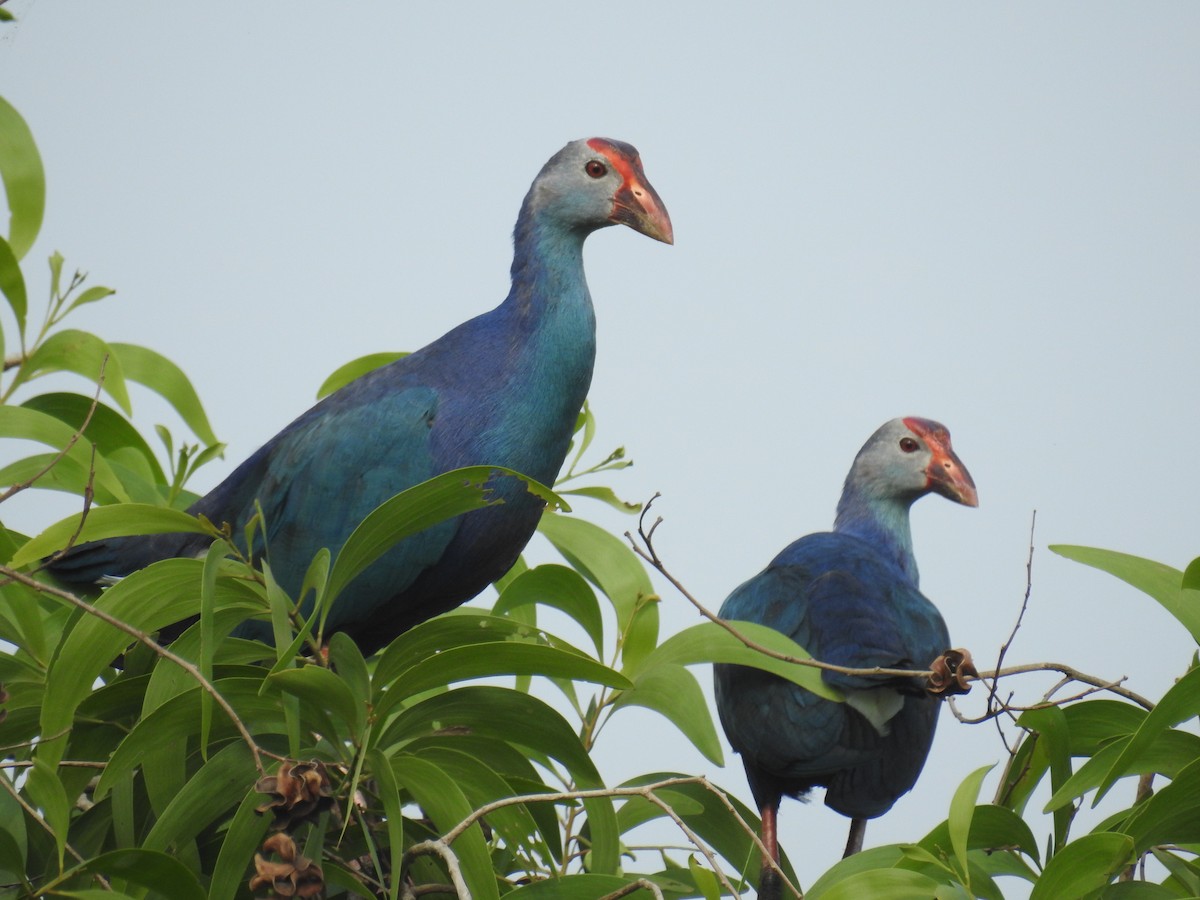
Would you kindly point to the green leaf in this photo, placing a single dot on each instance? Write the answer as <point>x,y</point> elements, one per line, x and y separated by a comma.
<point>1161,582</point>
<point>411,511</point>
<point>609,563</point>
<point>107,429</point>
<point>992,827</point>
<point>869,860</point>
<point>159,595</point>
<point>1083,866</point>
<point>106,522</point>
<point>523,720</point>
<point>45,789</point>
<point>1182,701</point>
<point>19,423</point>
<point>880,884</point>
<point>24,180</point>
<point>159,374</point>
<point>458,664</point>
<point>346,373</point>
<point>708,642</point>
<point>91,295</point>
<point>558,587</point>
<point>347,660</point>
<point>380,769</point>
<point>208,793</point>
<point>962,811</point>
<point>179,716</point>
<point>245,833</point>
<point>1054,747</point>
<point>445,803</point>
<point>157,872</point>
<point>324,689</point>
<point>1171,751</point>
<point>1171,815</point>
<point>706,882</point>
<point>673,692</point>
<point>604,495</point>
<point>71,350</point>
<point>12,282</point>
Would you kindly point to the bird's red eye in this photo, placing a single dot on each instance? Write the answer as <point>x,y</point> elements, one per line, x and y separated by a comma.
<point>595,168</point>
<point>908,445</point>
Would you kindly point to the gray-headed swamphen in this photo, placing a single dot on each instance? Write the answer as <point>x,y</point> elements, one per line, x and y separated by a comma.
<point>850,598</point>
<point>504,389</point>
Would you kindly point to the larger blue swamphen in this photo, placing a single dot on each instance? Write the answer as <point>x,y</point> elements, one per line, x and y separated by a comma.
<point>850,598</point>
<point>503,389</point>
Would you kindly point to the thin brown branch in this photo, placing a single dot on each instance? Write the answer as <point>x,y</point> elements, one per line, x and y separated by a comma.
<point>638,885</point>
<point>647,792</point>
<point>992,703</point>
<point>13,362</point>
<point>649,554</point>
<point>440,848</point>
<point>37,817</point>
<point>159,650</point>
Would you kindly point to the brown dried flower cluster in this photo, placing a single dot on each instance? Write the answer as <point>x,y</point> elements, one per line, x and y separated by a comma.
<point>299,792</point>
<point>295,876</point>
<point>950,672</point>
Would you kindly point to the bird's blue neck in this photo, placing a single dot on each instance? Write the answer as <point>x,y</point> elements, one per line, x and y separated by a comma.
<point>550,328</point>
<point>881,522</point>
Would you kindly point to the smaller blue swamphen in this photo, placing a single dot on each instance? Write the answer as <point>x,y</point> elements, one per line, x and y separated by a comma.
<point>850,598</point>
<point>503,389</point>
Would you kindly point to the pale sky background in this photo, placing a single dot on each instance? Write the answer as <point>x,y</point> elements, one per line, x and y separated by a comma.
<point>984,214</point>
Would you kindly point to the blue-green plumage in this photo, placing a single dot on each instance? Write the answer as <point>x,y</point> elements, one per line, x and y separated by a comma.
<point>850,597</point>
<point>501,389</point>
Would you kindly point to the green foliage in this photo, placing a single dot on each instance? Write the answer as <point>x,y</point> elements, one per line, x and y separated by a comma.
<point>463,750</point>
<point>160,778</point>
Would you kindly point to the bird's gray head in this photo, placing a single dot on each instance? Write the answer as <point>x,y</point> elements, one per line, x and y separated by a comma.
<point>595,182</point>
<point>908,458</point>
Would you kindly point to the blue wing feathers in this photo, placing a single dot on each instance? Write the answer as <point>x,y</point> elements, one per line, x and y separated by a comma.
<point>847,604</point>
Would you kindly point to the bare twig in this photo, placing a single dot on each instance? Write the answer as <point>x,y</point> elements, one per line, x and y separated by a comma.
<point>440,848</point>
<point>636,886</point>
<point>141,637</point>
<point>648,553</point>
<point>995,680</point>
<point>646,792</point>
<point>37,817</point>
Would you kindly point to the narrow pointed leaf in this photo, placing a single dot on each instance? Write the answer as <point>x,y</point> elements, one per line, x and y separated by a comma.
<point>1181,702</point>
<point>105,522</point>
<point>1083,866</point>
<point>436,500</point>
<point>561,588</point>
<point>1161,582</point>
<point>610,564</point>
<point>346,373</point>
<point>962,810</point>
<point>12,282</point>
<point>24,179</point>
<point>159,374</point>
<point>709,643</point>
<point>672,691</point>
<point>84,354</point>
<point>29,424</point>
<point>444,802</point>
